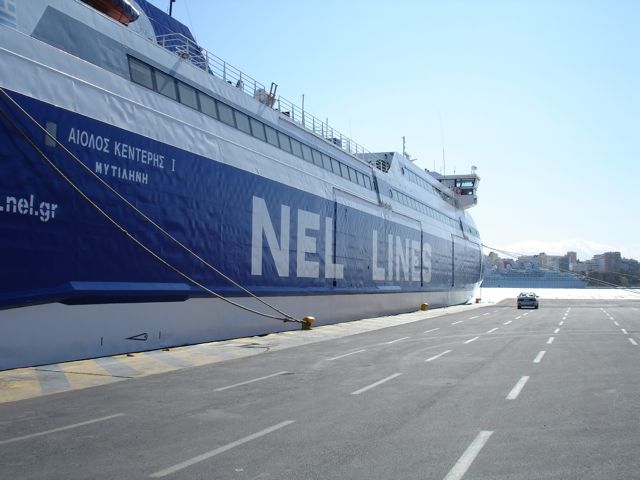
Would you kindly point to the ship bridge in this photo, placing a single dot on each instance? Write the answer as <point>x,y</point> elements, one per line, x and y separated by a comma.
<point>464,187</point>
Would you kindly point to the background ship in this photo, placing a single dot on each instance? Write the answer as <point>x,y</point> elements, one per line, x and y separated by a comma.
<point>141,174</point>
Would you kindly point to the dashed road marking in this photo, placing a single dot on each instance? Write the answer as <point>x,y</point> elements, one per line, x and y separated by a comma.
<point>435,357</point>
<point>493,330</point>
<point>539,356</point>
<point>346,355</point>
<point>633,342</point>
<point>471,340</point>
<point>249,381</point>
<point>217,451</point>
<point>396,340</point>
<point>550,341</point>
<point>469,455</point>
<point>373,385</point>
<point>515,391</point>
<point>616,324</point>
<point>432,330</point>
<point>561,323</point>
<point>60,429</point>
<point>473,318</point>
<point>624,331</point>
<point>507,322</point>
<point>455,323</point>
<point>556,330</point>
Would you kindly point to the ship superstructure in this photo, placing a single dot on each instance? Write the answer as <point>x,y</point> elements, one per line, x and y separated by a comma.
<point>142,174</point>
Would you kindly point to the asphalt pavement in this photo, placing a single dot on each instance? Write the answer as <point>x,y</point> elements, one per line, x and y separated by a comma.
<point>484,393</point>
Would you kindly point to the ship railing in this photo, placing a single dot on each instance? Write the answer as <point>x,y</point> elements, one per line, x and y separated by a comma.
<point>190,51</point>
<point>321,128</point>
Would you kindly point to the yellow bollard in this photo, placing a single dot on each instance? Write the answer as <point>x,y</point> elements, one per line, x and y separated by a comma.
<point>307,321</point>
<point>424,307</point>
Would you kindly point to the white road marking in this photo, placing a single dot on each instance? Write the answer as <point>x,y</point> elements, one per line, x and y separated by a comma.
<point>469,455</point>
<point>550,341</point>
<point>525,314</point>
<point>471,340</point>
<point>219,450</point>
<point>379,382</point>
<point>539,356</point>
<point>616,324</point>
<point>518,317</point>
<point>249,381</point>
<point>515,391</point>
<point>435,357</point>
<point>60,429</point>
<point>561,323</point>
<point>507,322</point>
<point>556,330</point>
<point>432,330</point>
<point>493,330</point>
<point>624,331</point>
<point>485,314</point>
<point>459,321</point>
<point>633,342</point>
<point>473,318</point>
<point>396,340</point>
<point>346,355</point>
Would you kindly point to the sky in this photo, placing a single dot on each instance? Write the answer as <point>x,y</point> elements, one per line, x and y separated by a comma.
<point>542,96</point>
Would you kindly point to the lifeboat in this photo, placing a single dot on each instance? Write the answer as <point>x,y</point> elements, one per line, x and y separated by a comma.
<point>120,10</point>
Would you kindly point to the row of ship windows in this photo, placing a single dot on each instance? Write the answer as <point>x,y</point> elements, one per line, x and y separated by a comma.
<point>432,212</point>
<point>427,186</point>
<point>424,184</point>
<point>417,180</point>
<point>471,230</point>
<point>426,209</point>
<point>156,80</point>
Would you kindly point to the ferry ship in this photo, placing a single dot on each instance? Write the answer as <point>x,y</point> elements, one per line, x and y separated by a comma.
<point>152,195</point>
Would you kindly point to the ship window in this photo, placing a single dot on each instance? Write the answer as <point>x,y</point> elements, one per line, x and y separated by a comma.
<point>317,157</point>
<point>352,175</point>
<point>306,153</point>
<point>272,136</point>
<point>188,95</point>
<point>296,146</point>
<point>367,181</point>
<point>284,142</point>
<point>226,114</point>
<point>242,121</point>
<point>258,129</point>
<point>141,73</point>
<point>166,85</point>
<point>360,178</point>
<point>207,105</point>
<point>52,131</point>
<point>335,166</point>
<point>344,171</point>
<point>326,162</point>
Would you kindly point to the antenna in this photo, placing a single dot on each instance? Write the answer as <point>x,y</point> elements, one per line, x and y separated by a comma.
<point>171,6</point>
<point>404,151</point>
